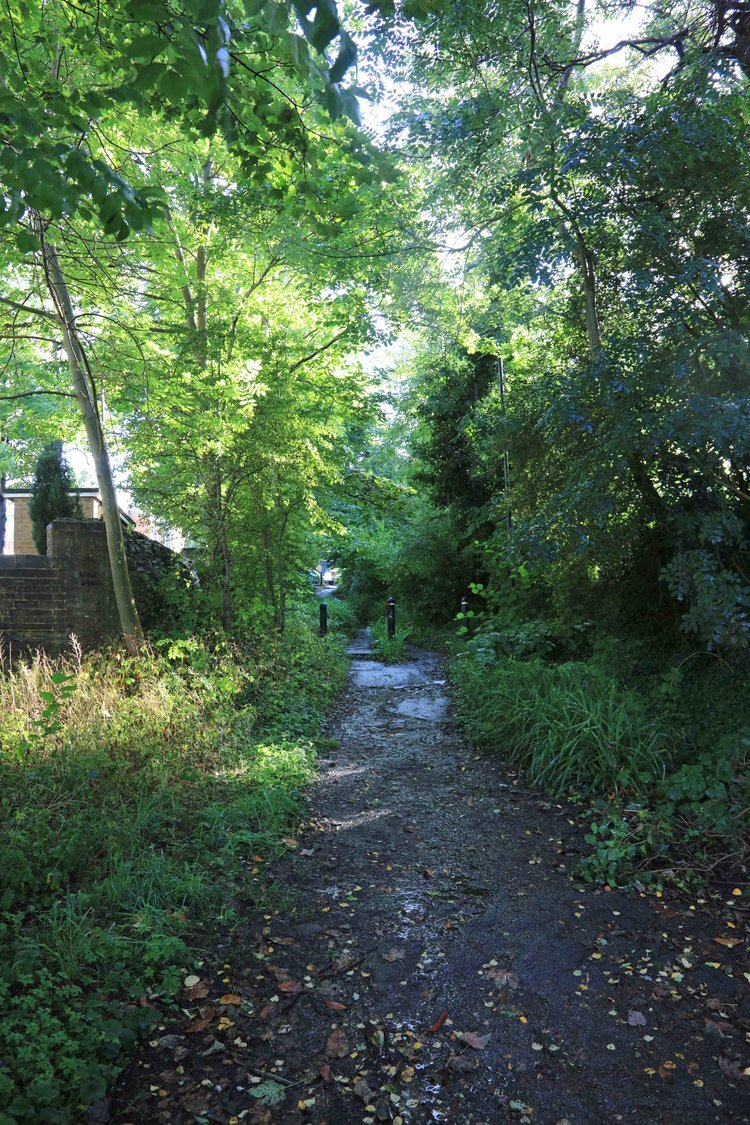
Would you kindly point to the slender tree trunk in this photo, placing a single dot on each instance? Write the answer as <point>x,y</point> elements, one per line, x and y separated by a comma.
<point>578,29</point>
<point>3,515</point>
<point>588,277</point>
<point>216,526</point>
<point>280,581</point>
<point>84,394</point>
<point>196,313</point>
<point>227,601</point>
<point>268,569</point>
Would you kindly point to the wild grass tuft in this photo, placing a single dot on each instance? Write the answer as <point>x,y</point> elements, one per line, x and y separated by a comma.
<point>390,649</point>
<point>568,727</point>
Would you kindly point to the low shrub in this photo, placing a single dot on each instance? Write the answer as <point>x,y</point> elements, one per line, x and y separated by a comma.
<point>342,616</point>
<point>693,822</point>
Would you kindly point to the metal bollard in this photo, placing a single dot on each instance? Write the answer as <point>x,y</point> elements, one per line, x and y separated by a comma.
<point>464,605</point>
<point>391,615</point>
<point>323,619</point>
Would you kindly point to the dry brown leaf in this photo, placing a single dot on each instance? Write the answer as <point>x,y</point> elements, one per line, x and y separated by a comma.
<point>335,1006</point>
<point>278,973</point>
<point>291,987</point>
<point>472,1039</point>
<point>337,1044</point>
<point>199,991</point>
<point>198,1025</point>
<point>502,977</point>
<point>439,1021</point>
<point>363,1091</point>
<point>730,1067</point>
<point>326,1074</point>
<point>230,998</point>
<point>729,942</point>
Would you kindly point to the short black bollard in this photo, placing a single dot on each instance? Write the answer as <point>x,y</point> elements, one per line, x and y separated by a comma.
<point>323,619</point>
<point>391,618</point>
<point>464,606</point>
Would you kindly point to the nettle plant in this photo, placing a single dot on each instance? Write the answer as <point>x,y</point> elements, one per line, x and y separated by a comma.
<point>62,689</point>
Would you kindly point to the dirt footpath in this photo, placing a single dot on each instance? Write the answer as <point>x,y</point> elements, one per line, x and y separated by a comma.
<point>436,960</point>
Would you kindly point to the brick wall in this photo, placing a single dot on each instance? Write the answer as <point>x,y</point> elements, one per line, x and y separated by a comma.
<point>45,598</point>
<point>23,536</point>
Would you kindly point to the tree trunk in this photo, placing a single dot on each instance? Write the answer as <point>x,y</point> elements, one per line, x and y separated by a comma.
<point>3,515</point>
<point>216,528</point>
<point>588,276</point>
<point>227,601</point>
<point>578,29</point>
<point>268,568</point>
<point>84,394</point>
<point>196,312</point>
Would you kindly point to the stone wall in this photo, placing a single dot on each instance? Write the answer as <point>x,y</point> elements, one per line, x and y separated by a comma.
<point>45,598</point>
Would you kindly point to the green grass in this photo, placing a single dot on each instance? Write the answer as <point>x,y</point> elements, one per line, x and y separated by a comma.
<point>390,649</point>
<point>568,727</point>
<point>126,807</point>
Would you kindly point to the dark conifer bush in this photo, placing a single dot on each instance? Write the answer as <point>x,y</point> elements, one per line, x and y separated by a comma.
<point>53,494</point>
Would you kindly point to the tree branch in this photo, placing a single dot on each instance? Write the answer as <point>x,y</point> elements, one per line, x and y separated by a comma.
<point>318,351</point>
<point>28,394</point>
<point>28,308</point>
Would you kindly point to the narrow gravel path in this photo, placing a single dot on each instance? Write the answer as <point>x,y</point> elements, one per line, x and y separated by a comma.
<point>435,961</point>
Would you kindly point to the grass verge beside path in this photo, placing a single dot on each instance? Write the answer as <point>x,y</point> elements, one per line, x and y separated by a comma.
<point>666,798</point>
<point>132,791</point>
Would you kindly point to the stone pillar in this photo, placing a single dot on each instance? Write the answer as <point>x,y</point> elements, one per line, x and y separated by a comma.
<point>77,550</point>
